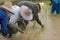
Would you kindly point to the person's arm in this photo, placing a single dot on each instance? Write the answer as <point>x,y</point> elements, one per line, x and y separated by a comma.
<point>37,18</point>
<point>12,22</point>
<point>15,27</point>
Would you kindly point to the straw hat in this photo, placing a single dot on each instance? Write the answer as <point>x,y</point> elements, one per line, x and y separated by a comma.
<point>7,6</point>
<point>26,12</point>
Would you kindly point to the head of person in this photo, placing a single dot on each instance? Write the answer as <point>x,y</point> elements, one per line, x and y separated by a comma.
<point>7,6</point>
<point>23,12</point>
<point>39,7</point>
<point>26,12</point>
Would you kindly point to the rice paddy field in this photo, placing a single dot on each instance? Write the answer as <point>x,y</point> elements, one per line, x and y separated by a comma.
<point>51,30</point>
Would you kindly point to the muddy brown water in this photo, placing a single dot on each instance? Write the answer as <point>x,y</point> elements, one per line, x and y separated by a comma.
<point>33,31</point>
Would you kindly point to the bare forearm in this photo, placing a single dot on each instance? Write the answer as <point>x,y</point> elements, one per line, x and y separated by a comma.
<point>15,27</point>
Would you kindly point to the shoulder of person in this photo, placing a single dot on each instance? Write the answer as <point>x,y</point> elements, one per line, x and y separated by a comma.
<point>15,8</point>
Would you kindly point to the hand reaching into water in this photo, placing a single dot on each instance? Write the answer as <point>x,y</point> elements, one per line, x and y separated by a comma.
<point>42,26</point>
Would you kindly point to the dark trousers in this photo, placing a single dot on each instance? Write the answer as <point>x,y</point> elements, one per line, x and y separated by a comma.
<point>55,7</point>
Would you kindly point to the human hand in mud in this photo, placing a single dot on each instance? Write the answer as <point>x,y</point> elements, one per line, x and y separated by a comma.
<point>22,31</point>
<point>22,25</point>
<point>42,26</point>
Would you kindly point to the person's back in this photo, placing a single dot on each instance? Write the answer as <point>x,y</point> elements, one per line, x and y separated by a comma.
<point>29,4</point>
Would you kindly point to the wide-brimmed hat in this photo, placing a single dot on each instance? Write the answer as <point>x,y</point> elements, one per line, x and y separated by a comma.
<point>26,12</point>
<point>7,6</point>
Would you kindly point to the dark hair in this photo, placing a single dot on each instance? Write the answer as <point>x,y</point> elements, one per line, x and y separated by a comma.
<point>39,6</point>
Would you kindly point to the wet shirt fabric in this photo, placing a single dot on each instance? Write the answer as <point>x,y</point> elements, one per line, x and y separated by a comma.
<point>3,21</point>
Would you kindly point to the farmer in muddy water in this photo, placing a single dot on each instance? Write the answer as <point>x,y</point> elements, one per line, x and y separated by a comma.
<point>25,11</point>
<point>35,8</point>
<point>5,9</point>
<point>55,6</point>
